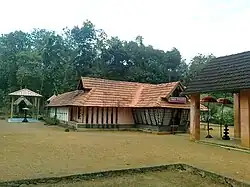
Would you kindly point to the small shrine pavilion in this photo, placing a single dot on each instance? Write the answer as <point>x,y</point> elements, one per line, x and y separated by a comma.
<point>25,98</point>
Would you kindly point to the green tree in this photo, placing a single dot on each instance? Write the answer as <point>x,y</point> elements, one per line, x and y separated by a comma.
<point>197,64</point>
<point>48,62</point>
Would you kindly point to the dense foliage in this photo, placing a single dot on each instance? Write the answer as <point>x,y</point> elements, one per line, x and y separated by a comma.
<point>47,62</point>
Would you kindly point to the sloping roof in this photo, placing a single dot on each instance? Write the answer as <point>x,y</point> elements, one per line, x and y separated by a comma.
<point>22,98</point>
<point>151,95</point>
<point>51,98</point>
<point>227,73</point>
<point>74,98</point>
<point>110,93</point>
<point>25,92</point>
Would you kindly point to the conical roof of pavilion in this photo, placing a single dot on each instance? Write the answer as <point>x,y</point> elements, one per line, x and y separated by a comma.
<point>25,92</point>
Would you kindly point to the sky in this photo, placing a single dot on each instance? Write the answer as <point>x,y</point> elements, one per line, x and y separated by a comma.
<point>221,27</point>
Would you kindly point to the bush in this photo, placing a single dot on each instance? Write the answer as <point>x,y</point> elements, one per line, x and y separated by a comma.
<point>41,118</point>
<point>228,117</point>
<point>2,115</point>
<point>51,121</point>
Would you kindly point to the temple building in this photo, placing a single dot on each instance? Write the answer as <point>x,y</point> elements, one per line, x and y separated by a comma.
<point>101,103</point>
<point>229,74</point>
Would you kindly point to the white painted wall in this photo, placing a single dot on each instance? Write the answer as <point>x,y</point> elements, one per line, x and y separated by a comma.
<point>62,113</point>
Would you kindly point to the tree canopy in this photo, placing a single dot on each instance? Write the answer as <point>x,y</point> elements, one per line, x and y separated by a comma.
<point>47,62</point>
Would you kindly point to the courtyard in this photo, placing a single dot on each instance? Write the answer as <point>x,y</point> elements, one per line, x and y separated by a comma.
<point>33,150</point>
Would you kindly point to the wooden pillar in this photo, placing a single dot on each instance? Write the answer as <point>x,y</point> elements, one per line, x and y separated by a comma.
<point>245,117</point>
<point>55,113</point>
<point>195,117</point>
<point>237,115</point>
<point>112,116</point>
<point>12,107</point>
<point>156,123</point>
<point>34,108</point>
<point>116,115</point>
<point>145,116</point>
<point>38,106</point>
<point>92,115</point>
<point>163,116</point>
<point>107,117</point>
<point>87,115</point>
<point>102,119</point>
<point>83,114</point>
<point>149,114</point>
<point>135,117</point>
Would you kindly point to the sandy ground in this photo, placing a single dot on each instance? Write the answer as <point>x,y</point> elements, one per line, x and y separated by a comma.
<point>35,150</point>
<point>163,179</point>
<point>215,132</point>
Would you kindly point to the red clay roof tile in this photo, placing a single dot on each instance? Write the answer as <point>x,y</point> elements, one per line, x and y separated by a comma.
<point>110,93</point>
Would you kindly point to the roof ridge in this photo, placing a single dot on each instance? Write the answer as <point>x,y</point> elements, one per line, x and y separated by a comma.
<point>112,80</point>
<point>120,81</point>
<point>167,83</point>
<point>235,54</point>
<point>137,95</point>
<point>87,96</point>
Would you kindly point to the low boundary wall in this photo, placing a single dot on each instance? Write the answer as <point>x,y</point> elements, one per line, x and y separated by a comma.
<point>138,127</point>
<point>113,173</point>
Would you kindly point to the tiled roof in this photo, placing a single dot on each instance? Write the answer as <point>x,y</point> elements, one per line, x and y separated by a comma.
<point>68,99</point>
<point>110,93</point>
<point>151,95</point>
<point>51,98</point>
<point>25,92</point>
<point>227,73</point>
